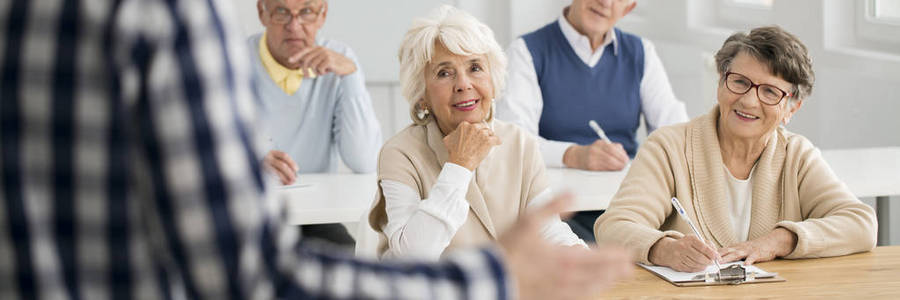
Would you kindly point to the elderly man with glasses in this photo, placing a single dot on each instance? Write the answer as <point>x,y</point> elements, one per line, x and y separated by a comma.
<point>315,106</point>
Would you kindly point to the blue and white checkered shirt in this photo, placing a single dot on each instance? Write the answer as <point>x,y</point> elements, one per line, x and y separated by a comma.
<point>127,172</point>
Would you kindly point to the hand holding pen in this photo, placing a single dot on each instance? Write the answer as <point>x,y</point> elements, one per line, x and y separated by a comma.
<point>596,127</point>
<point>680,210</point>
<point>281,164</point>
<point>690,253</point>
<point>601,155</point>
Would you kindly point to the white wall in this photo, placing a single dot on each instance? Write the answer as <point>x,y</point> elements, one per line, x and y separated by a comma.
<point>855,102</point>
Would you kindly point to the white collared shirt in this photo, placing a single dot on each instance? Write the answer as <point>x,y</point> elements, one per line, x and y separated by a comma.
<point>523,102</point>
<point>422,228</point>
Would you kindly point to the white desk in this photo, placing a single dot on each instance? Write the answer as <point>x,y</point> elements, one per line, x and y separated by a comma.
<point>341,198</point>
<point>593,190</point>
<point>331,198</point>
<point>870,172</point>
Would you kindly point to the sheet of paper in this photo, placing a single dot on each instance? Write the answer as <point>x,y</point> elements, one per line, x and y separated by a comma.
<point>294,186</point>
<point>676,276</point>
<point>601,173</point>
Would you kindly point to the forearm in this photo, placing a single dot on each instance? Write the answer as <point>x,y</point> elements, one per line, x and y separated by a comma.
<point>637,238</point>
<point>659,104</point>
<point>423,236</point>
<point>834,221</point>
<point>554,152</point>
<point>555,230</point>
<point>357,131</point>
<point>473,273</point>
<point>849,232</point>
<point>424,227</point>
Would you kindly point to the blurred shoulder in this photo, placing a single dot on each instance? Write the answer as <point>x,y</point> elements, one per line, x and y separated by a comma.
<point>672,135</point>
<point>253,41</point>
<point>337,46</point>
<point>512,133</point>
<point>410,137</point>
<point>399,152</point>
<point>796,145</point>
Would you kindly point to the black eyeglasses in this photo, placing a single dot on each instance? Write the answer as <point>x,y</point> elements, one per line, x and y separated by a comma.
<point>767,93</point>
<point>281,15</point>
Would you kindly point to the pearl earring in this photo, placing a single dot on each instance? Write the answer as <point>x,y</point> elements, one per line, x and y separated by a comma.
<point>491,115</point>
<point>422,113</point>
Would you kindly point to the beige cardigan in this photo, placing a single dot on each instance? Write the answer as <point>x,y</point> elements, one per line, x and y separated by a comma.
<point>511,175</point>
<point>794,188</point>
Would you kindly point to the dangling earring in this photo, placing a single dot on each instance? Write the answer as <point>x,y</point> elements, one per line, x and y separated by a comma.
<point>489,119</point>
<point>422,112</point>
<point>490,116</point>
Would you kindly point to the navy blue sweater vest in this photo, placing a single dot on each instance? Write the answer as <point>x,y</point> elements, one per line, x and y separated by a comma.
<point>575,93</point>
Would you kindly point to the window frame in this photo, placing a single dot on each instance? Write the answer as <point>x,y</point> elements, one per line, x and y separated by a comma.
<point>873,32</point>
<point>736,15</point>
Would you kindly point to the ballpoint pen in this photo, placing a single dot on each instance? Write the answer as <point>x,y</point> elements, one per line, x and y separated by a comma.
<point>596,127</point>
<point>684,216</point>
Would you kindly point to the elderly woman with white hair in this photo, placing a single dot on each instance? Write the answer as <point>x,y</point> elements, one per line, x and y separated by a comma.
<point>456,177</point>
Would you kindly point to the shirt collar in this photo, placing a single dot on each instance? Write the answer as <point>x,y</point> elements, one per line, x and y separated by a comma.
<point>580,42</point>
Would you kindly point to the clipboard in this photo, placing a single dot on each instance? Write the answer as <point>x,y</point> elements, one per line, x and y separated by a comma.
<point>731,274</point>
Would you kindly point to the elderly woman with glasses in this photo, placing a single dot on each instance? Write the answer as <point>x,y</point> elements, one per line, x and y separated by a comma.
<point>754,190</point>
<point>457,176</point>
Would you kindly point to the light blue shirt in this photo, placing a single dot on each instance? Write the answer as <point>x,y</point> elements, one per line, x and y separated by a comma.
<point>329,115</point>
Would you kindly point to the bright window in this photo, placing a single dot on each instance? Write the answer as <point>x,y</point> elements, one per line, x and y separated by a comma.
<point>754,3</point>
<point>886,11</point>
<point>878,25</point>
<point>743,14</point>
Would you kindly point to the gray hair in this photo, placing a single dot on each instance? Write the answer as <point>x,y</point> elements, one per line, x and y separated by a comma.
<point>461,34</point>
<point>781,51</point>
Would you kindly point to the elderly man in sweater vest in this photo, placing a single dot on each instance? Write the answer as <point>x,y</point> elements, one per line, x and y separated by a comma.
<point>581,68</point>
<point>315,106</point>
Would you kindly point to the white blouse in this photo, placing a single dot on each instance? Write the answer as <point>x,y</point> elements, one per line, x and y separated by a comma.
<point>422,229</point>
<point>741,194</point>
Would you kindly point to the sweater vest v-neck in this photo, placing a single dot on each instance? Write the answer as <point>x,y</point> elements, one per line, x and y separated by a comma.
<point>575,93</point>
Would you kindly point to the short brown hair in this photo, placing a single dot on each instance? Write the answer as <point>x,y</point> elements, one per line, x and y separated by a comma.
<point>783,52</point>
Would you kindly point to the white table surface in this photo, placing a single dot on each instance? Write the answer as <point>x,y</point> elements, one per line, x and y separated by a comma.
<point>330,198</point>
<point>338,198</point>
<point>868,172</point>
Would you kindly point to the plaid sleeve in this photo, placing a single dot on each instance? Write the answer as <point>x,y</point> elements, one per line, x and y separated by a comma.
<point>314,271</point>
<point>185,69</point>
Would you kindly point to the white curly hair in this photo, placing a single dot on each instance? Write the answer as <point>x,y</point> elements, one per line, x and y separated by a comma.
<point>462,34</point>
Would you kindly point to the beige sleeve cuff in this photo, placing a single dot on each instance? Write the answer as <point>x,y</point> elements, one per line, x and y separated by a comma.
<point>809,240</point>
<point>640,241</point>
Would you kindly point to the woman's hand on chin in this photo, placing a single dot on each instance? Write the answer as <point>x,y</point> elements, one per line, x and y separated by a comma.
<point>469,144</point>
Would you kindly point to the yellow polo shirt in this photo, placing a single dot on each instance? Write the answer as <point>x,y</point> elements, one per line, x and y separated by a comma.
<point>288,80</point>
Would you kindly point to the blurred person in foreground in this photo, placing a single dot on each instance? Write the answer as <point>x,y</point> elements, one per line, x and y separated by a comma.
<point>127,172</point>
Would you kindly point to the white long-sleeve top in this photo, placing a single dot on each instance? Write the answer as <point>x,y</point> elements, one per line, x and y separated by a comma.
<point>523,102</point>
<point>422,229</point>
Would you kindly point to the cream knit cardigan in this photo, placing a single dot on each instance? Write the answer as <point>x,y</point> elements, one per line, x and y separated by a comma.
<point>794,188</point>
<point>503,184</point>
